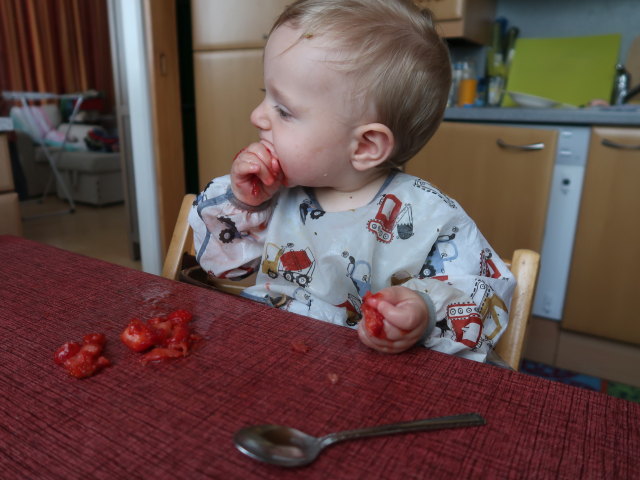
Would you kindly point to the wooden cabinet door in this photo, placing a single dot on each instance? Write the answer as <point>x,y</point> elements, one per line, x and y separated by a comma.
<point>505,189</point>
<point>228,38</point>
<point>468,19</point>
<point>164,78</point>
<point>603,283</point>
<point>228,87</point>
<point>225,24</point>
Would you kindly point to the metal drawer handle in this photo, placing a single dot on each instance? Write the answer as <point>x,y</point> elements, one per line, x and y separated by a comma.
<point>621,146</point>
<point>532,146</point>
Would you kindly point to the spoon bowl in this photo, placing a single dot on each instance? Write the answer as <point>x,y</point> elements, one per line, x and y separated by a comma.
<point>289,447</point>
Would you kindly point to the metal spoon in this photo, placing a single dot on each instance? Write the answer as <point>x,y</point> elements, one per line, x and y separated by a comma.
<point>288,447</point>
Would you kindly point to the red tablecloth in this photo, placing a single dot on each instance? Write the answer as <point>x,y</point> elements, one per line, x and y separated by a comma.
<point>177,420</point>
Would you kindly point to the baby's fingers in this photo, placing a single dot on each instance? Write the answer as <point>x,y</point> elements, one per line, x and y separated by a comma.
<point>403,317</point>
<point>385,345</point>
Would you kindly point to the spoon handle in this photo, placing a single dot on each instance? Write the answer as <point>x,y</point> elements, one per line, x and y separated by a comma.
<point>454,421</point>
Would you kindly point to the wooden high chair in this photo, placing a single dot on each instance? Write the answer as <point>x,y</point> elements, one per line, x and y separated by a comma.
<point>524,265</point>
<point>182,244</point>
<point>181,240</point>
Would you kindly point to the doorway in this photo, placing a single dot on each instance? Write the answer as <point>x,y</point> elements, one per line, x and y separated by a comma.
<point>64,47</point>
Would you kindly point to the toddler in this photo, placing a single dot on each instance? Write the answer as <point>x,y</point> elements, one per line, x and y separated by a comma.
<point>319,206</point>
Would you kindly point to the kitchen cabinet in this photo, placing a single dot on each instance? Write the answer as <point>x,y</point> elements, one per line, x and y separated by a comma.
<point>233,24</point>
<point>500,175</point>
<point>603,283</point>
<point>467,19</point>
<point>227,89</point>
<point>228,39</point>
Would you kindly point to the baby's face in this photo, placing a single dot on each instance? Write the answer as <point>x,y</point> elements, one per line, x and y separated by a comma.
<point>309,112</point>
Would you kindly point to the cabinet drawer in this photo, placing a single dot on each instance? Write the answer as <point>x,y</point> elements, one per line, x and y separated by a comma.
<point>467,19</point>
<point>225,24</point>
<point>504,190</point>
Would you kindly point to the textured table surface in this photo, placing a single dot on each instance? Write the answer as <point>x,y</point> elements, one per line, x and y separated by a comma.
<point>177,419</point>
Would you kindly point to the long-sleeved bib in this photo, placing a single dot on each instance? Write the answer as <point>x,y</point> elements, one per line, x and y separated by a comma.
<point>321,264</point>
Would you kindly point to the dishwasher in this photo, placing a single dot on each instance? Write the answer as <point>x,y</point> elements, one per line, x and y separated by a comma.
<point>562,218</point>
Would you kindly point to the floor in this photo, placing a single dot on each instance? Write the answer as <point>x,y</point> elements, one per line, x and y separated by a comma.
<point>99,232</point>
<point>615,389</point>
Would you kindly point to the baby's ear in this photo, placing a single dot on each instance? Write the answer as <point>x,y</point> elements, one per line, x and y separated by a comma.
<point>374,143</point>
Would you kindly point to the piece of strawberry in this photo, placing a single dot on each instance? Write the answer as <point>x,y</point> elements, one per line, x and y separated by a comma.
<point>373,319</point>
<point>170,336</point>
<point>66,351</point>
<point>162,353</point>
<point>95,339</point>
<point>138,336</point>
<point>84,360</point>
<point>180,316</point>
<point>162,329</point>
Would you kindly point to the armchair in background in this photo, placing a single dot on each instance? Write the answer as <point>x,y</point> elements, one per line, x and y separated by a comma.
<point>91,177</point>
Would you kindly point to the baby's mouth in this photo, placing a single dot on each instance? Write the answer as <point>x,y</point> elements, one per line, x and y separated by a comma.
<point>275,168</point>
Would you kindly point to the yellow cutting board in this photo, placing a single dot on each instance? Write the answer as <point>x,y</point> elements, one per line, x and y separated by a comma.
<point>571,70</point>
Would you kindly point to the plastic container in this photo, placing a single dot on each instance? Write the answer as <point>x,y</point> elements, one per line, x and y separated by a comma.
<point>456,76</point>
<point>468,87</point>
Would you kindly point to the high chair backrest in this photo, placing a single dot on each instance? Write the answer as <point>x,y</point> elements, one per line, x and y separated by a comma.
<point>524,265</point>
<point>181,241</point>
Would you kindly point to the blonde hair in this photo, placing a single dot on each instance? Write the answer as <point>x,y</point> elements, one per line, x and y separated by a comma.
<point>396,56</point>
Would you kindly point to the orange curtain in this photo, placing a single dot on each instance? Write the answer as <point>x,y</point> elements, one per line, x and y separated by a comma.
<point>56,46</point>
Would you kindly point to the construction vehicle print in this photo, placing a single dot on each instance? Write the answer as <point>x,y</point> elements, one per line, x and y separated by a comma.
<point>352,305</point>
<point>360,274</point>
<point>228,234</point>
<point>392,215</point>
<point>465,322</point>
<point>444,250</point>
<point>487,266</point>
<point>296,266</point>
<point>307,209</point>
<point>490,306</point>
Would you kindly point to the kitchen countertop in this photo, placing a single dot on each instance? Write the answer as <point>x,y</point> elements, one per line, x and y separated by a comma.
<point>624,115</point>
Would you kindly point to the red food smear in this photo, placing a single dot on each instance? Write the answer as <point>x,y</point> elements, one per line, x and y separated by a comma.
<point>373,319</point>
<point>333,378</point>
<point>84,360</point>
<point>255,186</point>
<point>300,346</point>
<point>168,337</point>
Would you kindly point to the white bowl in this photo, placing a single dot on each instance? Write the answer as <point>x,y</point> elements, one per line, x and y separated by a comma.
<point>532,101</point>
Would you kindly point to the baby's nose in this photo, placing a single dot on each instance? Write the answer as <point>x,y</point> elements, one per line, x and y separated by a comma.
<point>259,118</point>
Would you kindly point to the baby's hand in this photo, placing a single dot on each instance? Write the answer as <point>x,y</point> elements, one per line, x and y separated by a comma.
<point>256,174</point>
<point>405,319</point>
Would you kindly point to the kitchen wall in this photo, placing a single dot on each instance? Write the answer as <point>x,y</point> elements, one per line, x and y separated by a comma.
<point>572,18</point>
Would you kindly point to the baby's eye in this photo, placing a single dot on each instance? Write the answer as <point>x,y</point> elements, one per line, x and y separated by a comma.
<point>282,112</point>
